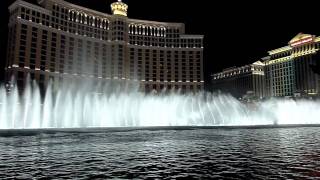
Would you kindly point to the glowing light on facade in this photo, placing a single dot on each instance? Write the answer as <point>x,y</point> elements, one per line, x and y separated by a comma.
<point>119,8</point>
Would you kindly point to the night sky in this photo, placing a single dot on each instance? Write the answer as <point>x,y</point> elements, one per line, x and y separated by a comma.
<point>236,32</point>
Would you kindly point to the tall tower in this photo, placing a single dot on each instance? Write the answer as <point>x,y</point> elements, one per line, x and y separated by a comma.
<point>119,8</point>
<point>119,36</point>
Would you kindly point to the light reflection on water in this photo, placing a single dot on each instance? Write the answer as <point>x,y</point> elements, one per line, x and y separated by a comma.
<point>291,153</point>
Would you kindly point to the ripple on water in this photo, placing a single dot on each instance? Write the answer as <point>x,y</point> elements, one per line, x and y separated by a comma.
<point>187,154</point>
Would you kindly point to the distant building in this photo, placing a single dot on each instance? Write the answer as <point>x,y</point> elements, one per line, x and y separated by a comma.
<point>239,81</point>
<point>59,40</point>
<point>287,72</point>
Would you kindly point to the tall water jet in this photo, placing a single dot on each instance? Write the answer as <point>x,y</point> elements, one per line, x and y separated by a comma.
<point>57,110</point>
<point>3,109</point>
<point>68,110</point>
<point>47,108</point>
<point>36,106</point>
<point>14,108</point>
<point>77,115</point>
<point>86,111</point>
<point>79,105</point>
<point>26,100</point>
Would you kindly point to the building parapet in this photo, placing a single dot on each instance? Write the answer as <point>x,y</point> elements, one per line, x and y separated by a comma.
<point>147,22</point>
<point>75,7</point>
<point>28,5</point>
<point>255,68</point>
<point>279,50</point>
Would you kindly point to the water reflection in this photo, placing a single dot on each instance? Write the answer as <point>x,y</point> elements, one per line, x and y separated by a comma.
<point>212,153</point>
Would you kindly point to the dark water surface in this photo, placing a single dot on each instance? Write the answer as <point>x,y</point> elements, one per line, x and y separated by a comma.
<point>281,153</point>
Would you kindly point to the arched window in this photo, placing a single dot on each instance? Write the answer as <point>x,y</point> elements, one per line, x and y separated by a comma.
<point>71,15</point>
<point>104,25</point>
<point>77,17</point>
<point>74,16</point>
<point>94,21</point>
<point>107,24</point>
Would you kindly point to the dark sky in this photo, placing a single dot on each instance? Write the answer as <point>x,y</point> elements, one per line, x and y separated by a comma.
<point>236,32</point>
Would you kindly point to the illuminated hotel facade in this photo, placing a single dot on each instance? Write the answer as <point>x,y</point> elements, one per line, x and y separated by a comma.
<point>289,73</point>
<point>287,70</point>
<point>239,81</point>
<point>59,40</point>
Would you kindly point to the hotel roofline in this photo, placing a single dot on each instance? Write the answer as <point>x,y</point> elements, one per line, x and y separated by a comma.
<point>28,5</point>
<point>295,39</point>
<point>104,15</point>
<point>90,11</point>
<point>243,69</point>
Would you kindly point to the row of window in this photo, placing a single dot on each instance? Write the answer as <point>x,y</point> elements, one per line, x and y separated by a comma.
<point>80,17</point>
<point>281,65</point>
<point>11,43</point>
<point>68,63</point>
<point>147,30</point>
<point>21,77</point>
<point>157,87</point>
<point>223,75</point>
<point>79,23</point>
<point>163,42</point>
<point>298,49</point>
<point>63,24</point>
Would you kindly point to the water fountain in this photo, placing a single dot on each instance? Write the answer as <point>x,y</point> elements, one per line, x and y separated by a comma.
<point>72,106</point>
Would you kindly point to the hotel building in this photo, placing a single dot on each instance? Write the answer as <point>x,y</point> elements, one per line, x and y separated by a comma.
<point>57,40</point>
<point>287,71</point>
<point>238,81</point>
